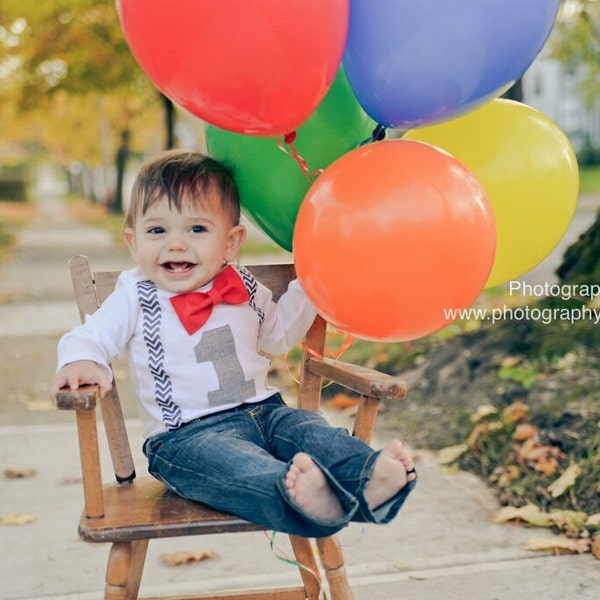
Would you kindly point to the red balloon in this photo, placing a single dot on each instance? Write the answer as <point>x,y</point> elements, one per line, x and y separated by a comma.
<point>259,67</point>
<point>390,237</point>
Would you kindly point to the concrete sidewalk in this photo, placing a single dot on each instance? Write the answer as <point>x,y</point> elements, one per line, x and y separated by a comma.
<point>443,545</point>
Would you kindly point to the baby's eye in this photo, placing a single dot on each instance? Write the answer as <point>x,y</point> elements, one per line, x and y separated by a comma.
<point>156,230</point>
<point>198,229</point>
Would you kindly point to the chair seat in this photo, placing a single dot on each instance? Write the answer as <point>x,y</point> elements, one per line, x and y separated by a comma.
<point>147,509</point>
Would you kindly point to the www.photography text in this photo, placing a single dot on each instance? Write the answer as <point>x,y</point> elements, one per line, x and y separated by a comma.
<point>524,313</point>
<point>584,293</point>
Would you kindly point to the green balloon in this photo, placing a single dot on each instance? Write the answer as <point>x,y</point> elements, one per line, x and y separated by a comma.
<point>271,182</point>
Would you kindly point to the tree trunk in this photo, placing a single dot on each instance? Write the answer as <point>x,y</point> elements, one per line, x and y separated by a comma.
<point>121,157</point>
<point>169,122</point>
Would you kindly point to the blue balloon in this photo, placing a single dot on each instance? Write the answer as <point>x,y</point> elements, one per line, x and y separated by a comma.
<point>415,62</point>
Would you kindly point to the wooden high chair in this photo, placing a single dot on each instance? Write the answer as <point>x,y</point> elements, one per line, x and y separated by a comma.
<point>133,510</point>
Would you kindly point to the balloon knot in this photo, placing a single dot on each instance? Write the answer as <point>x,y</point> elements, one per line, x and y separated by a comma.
<point>378,133</point>
<point>289,138</point>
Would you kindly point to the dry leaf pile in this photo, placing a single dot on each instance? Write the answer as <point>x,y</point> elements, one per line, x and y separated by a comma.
<point>539,484</point>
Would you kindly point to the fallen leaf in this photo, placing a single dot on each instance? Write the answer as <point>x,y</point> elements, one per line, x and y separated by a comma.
<point>450,454</point>
<point>567,361</point>
<point>16,519</point>
<point>173,559</point>
<point>482,430</point>
<point>515,412</point>
<point>39,406</point>
<point>510,361</point>
<point>19,473</point>
<point>548,465</point>
<point>593,519</point>
<point>569,521</point>
<point>524,431</point>
<point>543,458</point>
<point>508,475</point>
<point>484,411</point>
<point>595,546</point>
<point>557,543</point>
<point>342,402</point>
<point>565,481</point>
<point>529,513</point>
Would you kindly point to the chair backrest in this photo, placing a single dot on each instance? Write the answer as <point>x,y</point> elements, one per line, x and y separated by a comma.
<point>92,288</point>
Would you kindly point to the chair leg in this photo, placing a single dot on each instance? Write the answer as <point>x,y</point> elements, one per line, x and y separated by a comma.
<point>124,570</point>
<point>138,559</point>
<point>332,560</point>
<point>305,556</point>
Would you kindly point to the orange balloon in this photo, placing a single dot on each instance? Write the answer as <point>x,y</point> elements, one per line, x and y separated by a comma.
<point>391,237</point>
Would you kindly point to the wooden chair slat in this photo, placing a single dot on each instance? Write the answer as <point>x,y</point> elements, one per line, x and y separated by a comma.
<point>276,279</point>
<point>91,290</point>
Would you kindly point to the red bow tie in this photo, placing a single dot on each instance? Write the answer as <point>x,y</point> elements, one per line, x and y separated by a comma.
<point>194,308</point>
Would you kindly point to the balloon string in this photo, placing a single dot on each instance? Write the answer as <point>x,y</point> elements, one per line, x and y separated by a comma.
<point>377,135</point>
<point>289,139</point>
<point>348,341</point>
<point>290,561</point>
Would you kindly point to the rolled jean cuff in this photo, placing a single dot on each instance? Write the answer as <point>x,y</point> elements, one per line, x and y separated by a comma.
<point>387,511</point>
<point>349,504</point>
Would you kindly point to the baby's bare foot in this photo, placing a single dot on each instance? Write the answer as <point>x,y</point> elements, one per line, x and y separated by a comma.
<point>392,471</point>
<point>309,488</point>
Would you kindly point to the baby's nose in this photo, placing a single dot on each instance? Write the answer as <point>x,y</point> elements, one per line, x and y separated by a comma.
<point>176,242</point>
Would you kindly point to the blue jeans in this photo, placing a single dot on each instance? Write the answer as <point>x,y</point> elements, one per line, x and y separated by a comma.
<point>236,461</point>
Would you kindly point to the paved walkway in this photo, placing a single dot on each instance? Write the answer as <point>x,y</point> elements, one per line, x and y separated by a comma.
<point>443,545</point>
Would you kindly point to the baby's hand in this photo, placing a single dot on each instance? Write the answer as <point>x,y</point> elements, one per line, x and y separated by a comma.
<point>81,372</point>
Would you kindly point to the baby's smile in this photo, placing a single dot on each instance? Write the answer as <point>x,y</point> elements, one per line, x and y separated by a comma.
<point>178,267</point>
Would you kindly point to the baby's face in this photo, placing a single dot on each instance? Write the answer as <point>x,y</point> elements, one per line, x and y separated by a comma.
<point>182,251</point>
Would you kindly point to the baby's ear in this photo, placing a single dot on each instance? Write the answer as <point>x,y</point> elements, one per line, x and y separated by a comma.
<point>129,237</point>
<point>235,239</point>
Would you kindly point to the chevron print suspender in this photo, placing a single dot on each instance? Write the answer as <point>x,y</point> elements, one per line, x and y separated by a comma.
<point>251,285</point>
<point>163,388</point>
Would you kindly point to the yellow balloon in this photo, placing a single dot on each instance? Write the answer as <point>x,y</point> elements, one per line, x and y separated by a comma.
<point>529,171</point>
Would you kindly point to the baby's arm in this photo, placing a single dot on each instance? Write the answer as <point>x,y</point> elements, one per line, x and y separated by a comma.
<point>287,321</point>
<point>80,372</point>
<point>85,352</point>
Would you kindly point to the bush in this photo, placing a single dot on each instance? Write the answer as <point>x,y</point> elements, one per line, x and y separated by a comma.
<point>13,189</point>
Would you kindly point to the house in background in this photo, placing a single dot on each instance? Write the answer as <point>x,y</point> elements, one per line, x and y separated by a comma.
<point>553,89</point>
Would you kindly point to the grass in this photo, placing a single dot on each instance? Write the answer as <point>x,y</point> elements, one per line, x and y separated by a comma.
<point>589,180</point>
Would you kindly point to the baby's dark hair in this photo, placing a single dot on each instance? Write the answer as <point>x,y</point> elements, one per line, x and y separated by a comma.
<point>182,175</point>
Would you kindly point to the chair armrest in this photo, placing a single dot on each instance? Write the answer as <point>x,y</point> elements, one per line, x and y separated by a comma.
<point>84,398</point>
<point>83,402</point>
<point>362,380</point>
<point>373,386</point>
